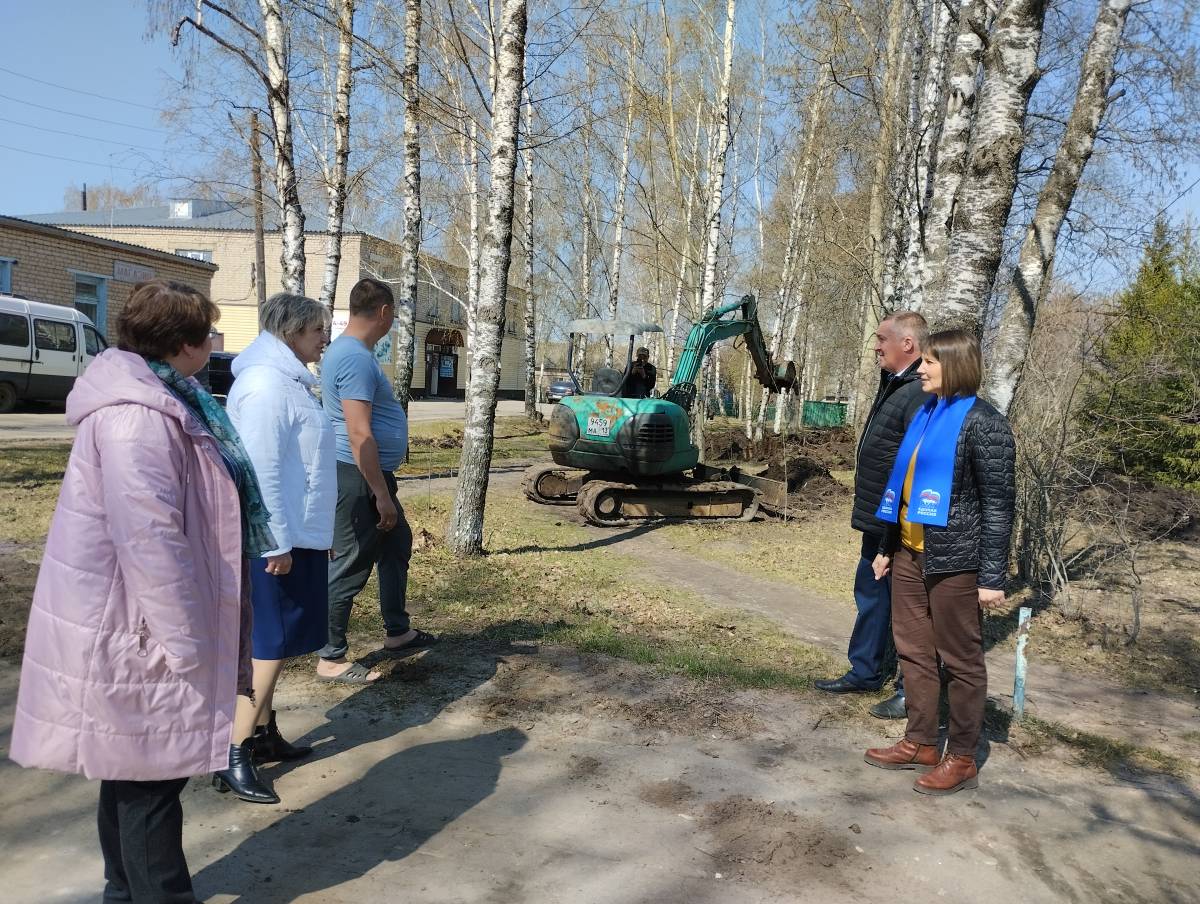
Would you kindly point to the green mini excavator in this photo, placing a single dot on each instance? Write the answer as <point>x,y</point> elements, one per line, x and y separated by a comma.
<point>622,459</point>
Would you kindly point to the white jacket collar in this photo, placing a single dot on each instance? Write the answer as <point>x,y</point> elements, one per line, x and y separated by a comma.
<point>269,351</point>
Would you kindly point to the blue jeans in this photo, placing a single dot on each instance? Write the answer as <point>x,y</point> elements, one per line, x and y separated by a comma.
<point>872,635</point>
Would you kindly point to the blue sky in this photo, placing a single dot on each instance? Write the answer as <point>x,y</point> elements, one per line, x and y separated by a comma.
<point>96,46</point>
<point>100,46</point>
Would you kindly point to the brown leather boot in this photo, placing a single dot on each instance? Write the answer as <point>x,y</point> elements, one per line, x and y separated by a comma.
<point>904,755</point>
<point>955,773</point>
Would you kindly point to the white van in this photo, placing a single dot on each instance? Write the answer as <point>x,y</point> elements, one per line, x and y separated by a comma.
<point>43,348</point>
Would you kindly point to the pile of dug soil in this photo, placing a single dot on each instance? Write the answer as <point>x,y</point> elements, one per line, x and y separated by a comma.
<point>810,485</point>
<point>1149,511</point>
<point>831,447</point>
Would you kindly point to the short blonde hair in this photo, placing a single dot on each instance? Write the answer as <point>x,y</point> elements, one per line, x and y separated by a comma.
<point>961,358</point>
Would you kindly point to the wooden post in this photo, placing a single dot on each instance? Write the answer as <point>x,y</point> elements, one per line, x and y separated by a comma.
<point>260,250</point>
<point>1019,682</point>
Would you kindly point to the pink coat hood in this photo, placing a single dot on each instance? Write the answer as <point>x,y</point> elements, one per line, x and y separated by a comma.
<point>138,637</point>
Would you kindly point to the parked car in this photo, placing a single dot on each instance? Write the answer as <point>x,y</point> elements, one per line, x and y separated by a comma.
<point>43,348</point>
<point>559,390</point>
<point>217,375</point>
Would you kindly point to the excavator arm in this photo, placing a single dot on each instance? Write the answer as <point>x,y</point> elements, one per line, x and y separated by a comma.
<point>710,330</point>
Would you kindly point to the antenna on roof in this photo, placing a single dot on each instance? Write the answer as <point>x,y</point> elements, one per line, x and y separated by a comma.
<point>83,196</point>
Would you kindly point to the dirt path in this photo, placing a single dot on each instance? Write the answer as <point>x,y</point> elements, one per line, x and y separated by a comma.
<point>1139,717</point>
<point>537,776</point>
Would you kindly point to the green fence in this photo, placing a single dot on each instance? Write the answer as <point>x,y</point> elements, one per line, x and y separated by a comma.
<point>824,414</point>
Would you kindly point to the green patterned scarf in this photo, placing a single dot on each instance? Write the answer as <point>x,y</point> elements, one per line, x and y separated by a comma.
<point>256,536</point>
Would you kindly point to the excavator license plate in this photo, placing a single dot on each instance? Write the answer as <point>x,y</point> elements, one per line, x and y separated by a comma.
<point>599,426</point>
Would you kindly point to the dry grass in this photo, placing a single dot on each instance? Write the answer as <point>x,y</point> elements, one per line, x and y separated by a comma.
<point>551,574</point>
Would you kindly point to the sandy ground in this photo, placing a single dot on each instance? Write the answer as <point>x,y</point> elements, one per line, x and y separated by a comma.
<point>536,775</point>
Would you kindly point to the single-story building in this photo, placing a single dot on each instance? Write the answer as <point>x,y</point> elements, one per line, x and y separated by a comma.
<point>92,274</point>
<point>223,233</point>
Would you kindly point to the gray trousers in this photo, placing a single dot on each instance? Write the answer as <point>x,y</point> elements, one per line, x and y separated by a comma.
<point>358,546</point>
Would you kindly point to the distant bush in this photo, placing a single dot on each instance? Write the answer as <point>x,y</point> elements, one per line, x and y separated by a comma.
<point>1143,390</point>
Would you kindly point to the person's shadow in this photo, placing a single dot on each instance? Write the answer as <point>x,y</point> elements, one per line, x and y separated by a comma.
<point>397,805</point>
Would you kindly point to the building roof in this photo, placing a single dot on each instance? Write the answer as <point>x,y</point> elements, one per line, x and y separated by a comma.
<point>178,214</point>
<point>86,238</point>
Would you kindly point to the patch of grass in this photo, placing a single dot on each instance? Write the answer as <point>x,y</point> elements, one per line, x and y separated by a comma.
<point>588,597</point>
<point>30,478</point>
<point>1106,753</point>
<point>818,551</point>
<point>436,446</point>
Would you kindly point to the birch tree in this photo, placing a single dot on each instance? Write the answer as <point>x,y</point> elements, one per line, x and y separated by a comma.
<point>716,179</point>
<point>614,280</point>
<point>531,385</point>
<point>411,244</point>
<point>954,141</point>
<point>465,534</point>
<point>267,59</point>
<point>336,176</point>
<point>986,194</point>
<point>1032,278</point>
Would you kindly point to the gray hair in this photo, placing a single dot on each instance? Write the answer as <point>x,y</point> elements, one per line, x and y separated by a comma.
<point>285,316</point>
<point>911,324</point>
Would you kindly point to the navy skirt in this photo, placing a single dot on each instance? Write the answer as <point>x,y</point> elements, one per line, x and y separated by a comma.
<point>291,612</point>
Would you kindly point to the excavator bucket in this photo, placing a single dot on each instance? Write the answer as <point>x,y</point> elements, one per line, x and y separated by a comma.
<point>785,375</point>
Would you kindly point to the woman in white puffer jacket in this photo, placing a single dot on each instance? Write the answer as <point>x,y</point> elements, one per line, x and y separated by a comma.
<point>291,443</point>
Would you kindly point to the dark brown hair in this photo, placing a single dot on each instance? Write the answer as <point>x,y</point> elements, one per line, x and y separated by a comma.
<point>961,358</point>
<point>368,296</point>
<point>162,316</point>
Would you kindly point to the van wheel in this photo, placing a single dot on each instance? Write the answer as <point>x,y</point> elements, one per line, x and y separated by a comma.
<point>8,397</point>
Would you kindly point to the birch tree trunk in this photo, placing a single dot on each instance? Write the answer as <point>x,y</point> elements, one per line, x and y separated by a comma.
<point>531,409</point>
<point>986,195</point>
<point>335,188</point>
<point>872,302</point>
<point>406,310</point>
<point>1032,278</point>
<point>925,164</point>
<point>954,142</point>
<point>287,183</point>
<point>614,282</point>
<point>465,535</point>
<point>716,181</point>
<point>473,274</point>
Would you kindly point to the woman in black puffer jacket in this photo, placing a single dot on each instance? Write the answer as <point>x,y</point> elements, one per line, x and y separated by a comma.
<point>949,504</point>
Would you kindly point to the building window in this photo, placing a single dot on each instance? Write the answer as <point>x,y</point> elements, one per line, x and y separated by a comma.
<point>6,265</point>
<point>91,298</point>
<point>511,321</point>
<point>196,254</point>
<point>456,312</point>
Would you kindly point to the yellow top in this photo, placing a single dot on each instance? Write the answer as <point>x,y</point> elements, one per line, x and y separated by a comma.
<point>911,535</point>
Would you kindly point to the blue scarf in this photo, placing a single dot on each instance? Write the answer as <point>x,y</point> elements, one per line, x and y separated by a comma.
<point>935,429</point>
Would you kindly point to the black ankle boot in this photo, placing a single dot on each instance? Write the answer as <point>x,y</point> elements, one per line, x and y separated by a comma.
<point>270,746</point>
<point>242,778</point>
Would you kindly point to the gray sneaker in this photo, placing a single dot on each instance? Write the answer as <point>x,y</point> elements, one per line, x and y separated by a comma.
<point>891,708</point>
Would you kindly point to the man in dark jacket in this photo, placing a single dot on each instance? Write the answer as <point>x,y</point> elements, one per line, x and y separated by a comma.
<point>642,376</point>
<point>898,346</point>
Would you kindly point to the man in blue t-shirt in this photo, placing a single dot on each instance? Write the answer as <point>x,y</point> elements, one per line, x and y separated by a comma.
<point>369,525</point>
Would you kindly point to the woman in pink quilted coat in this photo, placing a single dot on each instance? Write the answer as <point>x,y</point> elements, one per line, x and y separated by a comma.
<point>138,640</point>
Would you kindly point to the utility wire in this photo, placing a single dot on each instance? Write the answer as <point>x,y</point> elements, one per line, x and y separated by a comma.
<point>30,125</point>
<point>77,90</point>
<point>67,159</point>
<point>124,125</point>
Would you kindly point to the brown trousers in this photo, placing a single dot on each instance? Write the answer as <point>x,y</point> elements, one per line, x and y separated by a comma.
<point>932,618</point>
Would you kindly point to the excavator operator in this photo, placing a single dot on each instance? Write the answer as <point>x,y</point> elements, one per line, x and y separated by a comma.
<point>642,376</point>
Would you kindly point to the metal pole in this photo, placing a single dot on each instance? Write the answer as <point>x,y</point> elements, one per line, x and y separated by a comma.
<point>1019,683</point>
